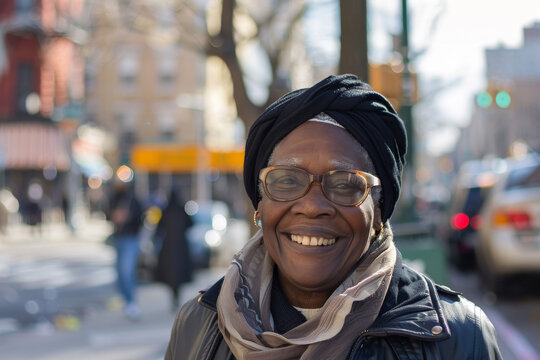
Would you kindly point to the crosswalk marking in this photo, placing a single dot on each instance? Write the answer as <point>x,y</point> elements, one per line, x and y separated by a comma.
<point>8,325</point>
<point>54,273</point>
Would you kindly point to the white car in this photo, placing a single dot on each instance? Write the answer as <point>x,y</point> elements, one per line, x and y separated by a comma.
<point>509,237</point>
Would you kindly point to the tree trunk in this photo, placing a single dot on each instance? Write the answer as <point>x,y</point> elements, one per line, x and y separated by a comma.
<point>223,46</point>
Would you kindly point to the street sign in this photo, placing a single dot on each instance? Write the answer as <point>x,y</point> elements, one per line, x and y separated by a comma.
<point>185,158</point>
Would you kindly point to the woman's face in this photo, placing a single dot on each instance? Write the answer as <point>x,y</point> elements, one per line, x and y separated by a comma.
<point>309,274</point>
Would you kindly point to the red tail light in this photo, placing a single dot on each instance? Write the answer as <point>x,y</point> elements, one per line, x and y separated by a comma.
<point>476,222</point>
<point>515,218</point>
<point>460,221</point>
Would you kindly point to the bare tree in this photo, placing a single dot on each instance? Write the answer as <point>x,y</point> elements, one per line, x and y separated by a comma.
<point>269,24</point>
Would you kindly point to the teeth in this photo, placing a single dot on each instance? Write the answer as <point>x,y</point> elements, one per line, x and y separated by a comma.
<point>312,240</point>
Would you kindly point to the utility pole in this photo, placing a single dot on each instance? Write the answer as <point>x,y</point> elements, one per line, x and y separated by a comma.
<point>354,42</point>
<point>407,209</point>
<point>407,88</point>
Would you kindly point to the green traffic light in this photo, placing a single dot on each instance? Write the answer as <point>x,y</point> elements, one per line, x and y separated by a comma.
<point>503,99</point>
<point>484,99</point>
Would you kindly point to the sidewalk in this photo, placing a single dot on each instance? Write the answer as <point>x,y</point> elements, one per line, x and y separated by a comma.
<point>102,331</point>
<point>106,334</point>
<point>87,229</point>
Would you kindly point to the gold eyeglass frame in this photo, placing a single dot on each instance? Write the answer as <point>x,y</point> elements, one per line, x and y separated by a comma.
<point>371,181</point>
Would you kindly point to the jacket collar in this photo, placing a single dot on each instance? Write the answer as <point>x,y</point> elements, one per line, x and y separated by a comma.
<point>412,306</point>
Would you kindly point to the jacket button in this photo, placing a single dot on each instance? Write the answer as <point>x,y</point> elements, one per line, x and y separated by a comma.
<point>436,330</point>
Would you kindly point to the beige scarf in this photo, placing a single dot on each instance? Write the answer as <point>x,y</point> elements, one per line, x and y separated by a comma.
<point>246,323</point>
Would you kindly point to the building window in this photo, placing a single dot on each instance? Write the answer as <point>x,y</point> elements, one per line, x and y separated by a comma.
<point>25,86</point>
<point>166,72</point>
<point>128,69</point>
<point>24,6</point>
<point>127,116</point>
<point>127,81</point>
<point>90,73</point>
<point>167,119</point>
<point>166,79</point>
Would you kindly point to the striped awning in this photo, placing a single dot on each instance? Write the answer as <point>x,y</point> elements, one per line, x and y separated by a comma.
<point>32,146</point>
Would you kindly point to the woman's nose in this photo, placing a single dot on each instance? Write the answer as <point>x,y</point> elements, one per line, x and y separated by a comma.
<point>314,203</point>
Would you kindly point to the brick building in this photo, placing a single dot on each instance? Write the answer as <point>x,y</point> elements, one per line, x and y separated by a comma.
<point>41,80</point>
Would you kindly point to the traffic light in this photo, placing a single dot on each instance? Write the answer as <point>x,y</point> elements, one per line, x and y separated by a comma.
<point>502,98</point>
<point>484,99</point>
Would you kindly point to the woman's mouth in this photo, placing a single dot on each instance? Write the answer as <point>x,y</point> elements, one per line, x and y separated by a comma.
<point>312,240</point>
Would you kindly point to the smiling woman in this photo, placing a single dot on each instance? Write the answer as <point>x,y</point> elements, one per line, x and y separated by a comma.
<point>323,279</point>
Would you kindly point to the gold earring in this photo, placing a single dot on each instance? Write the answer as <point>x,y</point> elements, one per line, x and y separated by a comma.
<point>379,230</point>
<point>257,222</point>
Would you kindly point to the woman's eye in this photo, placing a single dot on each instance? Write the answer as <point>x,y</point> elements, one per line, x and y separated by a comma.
<point>287,180</point>
<point>343,186</point>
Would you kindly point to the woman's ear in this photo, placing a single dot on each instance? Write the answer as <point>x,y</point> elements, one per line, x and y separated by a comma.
<point>257,216</point>
<point>377,221</point>
<point>377,218</point>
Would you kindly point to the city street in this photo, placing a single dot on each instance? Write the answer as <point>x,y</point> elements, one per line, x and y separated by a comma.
<point>516,318</point>
<point>57,293</point>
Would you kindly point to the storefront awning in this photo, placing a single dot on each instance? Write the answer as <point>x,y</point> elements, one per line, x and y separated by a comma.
<point>32,146</point>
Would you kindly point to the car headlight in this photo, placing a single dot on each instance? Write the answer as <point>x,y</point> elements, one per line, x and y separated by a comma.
<point>219,222</point>
<point>212,238</point>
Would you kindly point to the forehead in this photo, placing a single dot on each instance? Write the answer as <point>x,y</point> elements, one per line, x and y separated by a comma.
<point>320,144</point>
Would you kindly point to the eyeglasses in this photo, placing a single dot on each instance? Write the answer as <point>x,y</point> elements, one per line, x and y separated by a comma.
<point>287,183</point>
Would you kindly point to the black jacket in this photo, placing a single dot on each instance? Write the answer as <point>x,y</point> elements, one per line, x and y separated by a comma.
<point>418,320</point>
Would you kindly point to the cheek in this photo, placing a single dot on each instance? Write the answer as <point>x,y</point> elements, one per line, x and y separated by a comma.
<point>271,213</point>
<point>362,224</point>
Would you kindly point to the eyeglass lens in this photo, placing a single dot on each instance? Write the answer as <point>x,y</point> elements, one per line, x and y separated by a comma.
<point>341,187</point>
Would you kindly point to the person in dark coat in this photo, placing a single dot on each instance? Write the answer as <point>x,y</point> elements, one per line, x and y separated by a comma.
<point>174,266</point>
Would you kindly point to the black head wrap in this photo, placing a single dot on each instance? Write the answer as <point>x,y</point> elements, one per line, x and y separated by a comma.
<point>366,114</point>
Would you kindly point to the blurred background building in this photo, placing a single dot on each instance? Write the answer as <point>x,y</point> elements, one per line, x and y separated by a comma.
<point>508,110</point>
<point>164,92</point>
<point>42,89</point>
<point>146,90</point>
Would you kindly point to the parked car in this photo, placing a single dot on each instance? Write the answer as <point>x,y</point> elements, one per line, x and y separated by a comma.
<point>509,238</point>
<point>473,185</point>
<point>215,236</point>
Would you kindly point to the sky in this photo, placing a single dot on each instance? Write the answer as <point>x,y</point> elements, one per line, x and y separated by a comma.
<point>450,37</point>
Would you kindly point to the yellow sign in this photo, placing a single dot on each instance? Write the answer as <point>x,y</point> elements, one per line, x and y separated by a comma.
<point>227,161</point>
<point>184,158</point>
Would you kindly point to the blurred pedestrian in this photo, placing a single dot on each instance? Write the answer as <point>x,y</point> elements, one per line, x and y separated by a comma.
<point>174,266</point>
<point>126,216</point>
<point>33,212</point>
<point>66,210</point>
<point>4,216</point>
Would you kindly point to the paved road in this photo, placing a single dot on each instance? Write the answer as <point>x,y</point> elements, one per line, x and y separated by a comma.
<point>104,334</point>
<point>55,272</point>
<point>39,281</point>
<point>58,300</point>
<point>516,319</point>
